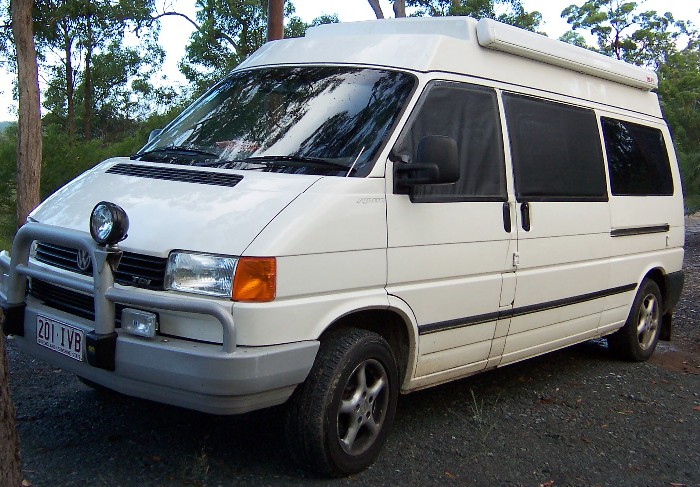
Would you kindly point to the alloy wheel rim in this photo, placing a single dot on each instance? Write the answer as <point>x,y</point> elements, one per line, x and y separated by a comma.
<point>648,321</point>
<point>363,407</point>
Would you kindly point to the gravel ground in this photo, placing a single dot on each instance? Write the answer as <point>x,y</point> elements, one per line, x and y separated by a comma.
<point>575,417</point>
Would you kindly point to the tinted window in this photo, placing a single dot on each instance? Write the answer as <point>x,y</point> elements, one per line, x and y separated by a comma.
<point>310,120</point>
<point>468,114</point>
<point>556,151</point>
<point>637,159</point>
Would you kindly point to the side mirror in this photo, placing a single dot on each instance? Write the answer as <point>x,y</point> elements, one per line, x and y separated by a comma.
<point>437,162</point>
<point>154,133</point>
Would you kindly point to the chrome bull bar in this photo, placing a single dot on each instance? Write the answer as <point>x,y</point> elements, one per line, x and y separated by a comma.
<point>16,269</point>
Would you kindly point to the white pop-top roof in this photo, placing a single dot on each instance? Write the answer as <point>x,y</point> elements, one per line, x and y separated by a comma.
<point>484,49</point>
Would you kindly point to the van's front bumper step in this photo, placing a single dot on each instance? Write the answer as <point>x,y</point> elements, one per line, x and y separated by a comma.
<point>193,375</point>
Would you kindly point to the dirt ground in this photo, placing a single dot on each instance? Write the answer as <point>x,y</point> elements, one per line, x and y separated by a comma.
<point>577,417</point>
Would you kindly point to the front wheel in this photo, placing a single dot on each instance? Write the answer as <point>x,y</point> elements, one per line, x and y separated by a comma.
<point>637,339</point>
<point>339,418</point>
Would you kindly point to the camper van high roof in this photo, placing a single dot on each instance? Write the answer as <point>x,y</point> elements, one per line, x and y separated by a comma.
<point>484,49</point>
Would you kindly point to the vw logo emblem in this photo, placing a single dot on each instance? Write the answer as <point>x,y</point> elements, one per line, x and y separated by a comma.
<point>83,260</point>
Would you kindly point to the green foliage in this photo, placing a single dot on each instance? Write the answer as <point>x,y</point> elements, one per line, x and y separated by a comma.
<point>8,156</point>
<point>623,32</point>
<point>650,39</point>
<point>572,37</point>
<point>508,11</point>
<point>89,81</point>
<point>229,31</point>
<point>679,92</point>
<point>63,160</point>
<point>297,28</point>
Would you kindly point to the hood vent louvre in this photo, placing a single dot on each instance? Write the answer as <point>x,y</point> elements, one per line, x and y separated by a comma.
<point>172,174</point>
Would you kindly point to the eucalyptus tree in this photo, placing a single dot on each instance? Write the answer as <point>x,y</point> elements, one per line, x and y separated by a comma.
<point>624,31</point>
<point>71,33</point>
<point>399,7</point>
<point>28,170</point>
<point>227,32</point>
<point>679,92</point>
<point>121,86</point>
<point>508,11</point>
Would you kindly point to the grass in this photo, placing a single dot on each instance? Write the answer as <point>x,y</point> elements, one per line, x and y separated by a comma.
<point>196,471</point>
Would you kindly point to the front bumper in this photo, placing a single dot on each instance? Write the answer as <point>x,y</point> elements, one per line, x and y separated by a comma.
<point>219,379</point>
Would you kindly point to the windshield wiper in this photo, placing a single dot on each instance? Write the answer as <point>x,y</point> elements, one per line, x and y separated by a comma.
<point>297,159</point>
<point>279,161</point>
<point>174,150</point>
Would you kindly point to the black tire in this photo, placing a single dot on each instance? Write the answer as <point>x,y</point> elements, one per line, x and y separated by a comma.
<point>637,339</point>
<point>339,418</point>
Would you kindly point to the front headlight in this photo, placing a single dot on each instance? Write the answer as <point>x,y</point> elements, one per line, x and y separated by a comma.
<point>211,275</point>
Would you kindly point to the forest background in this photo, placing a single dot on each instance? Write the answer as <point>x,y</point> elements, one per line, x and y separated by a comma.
<point>101,98</point>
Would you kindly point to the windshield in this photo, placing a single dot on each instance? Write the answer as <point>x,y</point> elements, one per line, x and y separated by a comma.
<point>308,120</point>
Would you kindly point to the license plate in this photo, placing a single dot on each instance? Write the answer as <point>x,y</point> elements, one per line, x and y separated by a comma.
<point>62,338</point>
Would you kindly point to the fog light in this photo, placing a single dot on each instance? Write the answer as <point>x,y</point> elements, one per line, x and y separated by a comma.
<point>140,323</point>
<point>33,249</point>
<point>108,223</point>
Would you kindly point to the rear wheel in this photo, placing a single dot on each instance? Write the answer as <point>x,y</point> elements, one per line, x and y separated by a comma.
<point>339,418</point>
<point>637,339</point>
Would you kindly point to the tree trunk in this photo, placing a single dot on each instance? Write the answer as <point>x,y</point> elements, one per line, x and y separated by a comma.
<point>399,8</point>
<point>68,44</point>
<point>87,117</point>
<point>10,470</point>
<point>377,8</point>
<point>29,130</point>
<point>275,20</point>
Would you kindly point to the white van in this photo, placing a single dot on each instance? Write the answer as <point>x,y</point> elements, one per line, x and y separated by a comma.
<point>373,209</point>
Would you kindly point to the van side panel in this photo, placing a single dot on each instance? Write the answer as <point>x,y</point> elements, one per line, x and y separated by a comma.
<point>563,263</point>
<point>647,230</point>
<point>446,261</point>
<point>330,245</point>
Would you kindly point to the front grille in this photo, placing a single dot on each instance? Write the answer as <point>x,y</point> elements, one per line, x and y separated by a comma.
<point>133,270</point>
<point>174,174</point>
<point>69,301</point>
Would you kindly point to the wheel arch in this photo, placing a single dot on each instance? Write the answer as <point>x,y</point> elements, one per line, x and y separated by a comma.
<point>393,324</point>
<point>660,277</point>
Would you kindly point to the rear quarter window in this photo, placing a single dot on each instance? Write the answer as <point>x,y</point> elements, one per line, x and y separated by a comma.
<point>637,159</point>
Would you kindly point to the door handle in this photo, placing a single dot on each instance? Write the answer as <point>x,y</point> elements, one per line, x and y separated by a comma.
<point>525,214</point>
<point>507,226</point>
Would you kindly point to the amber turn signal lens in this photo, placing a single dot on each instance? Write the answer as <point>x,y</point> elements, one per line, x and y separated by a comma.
<point>255,280</point>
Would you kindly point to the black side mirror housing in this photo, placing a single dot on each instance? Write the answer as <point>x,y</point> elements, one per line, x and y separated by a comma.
<point>437,162</point>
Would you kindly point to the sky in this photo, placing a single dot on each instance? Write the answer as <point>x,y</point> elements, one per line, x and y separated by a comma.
<point>175,31</point>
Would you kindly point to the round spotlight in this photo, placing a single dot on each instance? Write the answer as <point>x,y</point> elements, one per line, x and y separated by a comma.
<point>108,223</point>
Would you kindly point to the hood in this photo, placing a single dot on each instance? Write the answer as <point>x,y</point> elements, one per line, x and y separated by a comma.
<point>176,207</point>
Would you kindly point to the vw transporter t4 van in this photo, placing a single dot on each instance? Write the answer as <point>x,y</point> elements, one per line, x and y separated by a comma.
<point>372,209</point>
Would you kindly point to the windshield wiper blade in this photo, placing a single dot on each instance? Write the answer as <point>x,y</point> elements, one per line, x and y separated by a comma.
<point>298,159</point>
<point>279,161</point>
<point>175,150</point>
